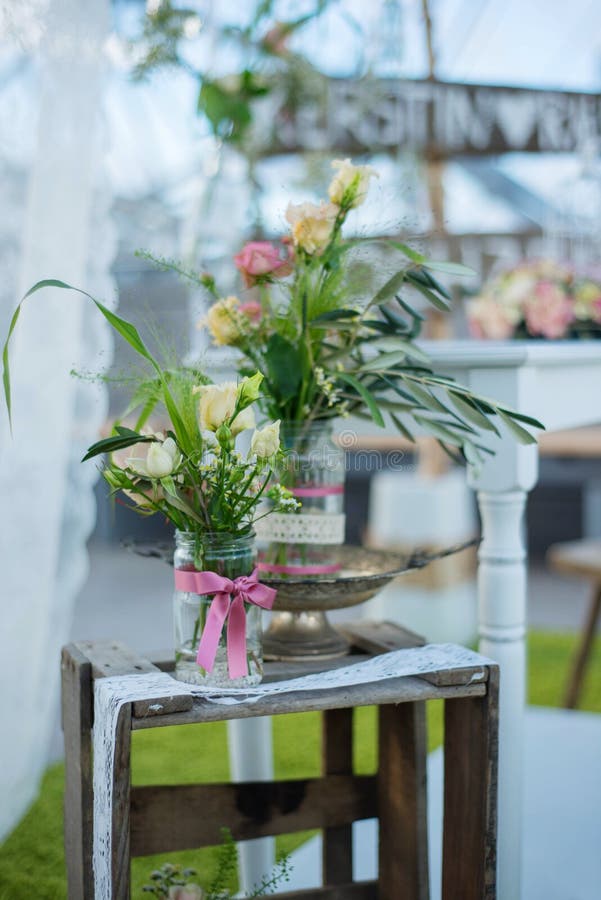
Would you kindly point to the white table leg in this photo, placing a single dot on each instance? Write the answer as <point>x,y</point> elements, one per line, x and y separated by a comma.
<point>251,759</point>
<point>502,630</point>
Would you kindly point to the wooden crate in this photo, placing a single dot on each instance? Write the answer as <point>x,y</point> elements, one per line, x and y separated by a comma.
<point>155,819</point>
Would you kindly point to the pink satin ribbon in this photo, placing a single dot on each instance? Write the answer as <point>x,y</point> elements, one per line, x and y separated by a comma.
<point>326,491</point>
<point>299,570</point>
<point>228,604</point>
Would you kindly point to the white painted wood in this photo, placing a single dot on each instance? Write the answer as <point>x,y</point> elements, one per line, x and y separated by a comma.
<point>251,759</point>
<point>560,384</point>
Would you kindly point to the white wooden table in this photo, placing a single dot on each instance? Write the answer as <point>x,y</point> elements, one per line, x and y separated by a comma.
<point>560,384</point>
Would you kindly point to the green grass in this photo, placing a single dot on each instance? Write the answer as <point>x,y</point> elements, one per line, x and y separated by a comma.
<point>32,859</point>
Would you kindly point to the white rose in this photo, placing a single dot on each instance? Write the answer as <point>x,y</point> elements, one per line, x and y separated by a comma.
<point>350,184</point>
<point>244,420</point>
<point>312,225</point>
<point>161,460</point>
<point>217,405</point>
<point>265,442</point>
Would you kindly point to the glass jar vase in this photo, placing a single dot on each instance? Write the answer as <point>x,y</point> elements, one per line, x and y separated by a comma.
<point>229,556</point>
<point>303,544</point>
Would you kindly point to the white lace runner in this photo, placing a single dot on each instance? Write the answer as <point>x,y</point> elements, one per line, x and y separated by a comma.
<point>306,528</point>
<point>110,694</point>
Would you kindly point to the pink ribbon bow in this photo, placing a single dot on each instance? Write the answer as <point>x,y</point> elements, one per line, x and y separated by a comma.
<point>228,603</point>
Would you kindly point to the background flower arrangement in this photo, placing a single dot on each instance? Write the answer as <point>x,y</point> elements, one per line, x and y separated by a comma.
<point>537,299</point>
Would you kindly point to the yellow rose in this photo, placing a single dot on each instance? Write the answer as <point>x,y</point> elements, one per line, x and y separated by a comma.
<point>223,321</point>
<point>312,225</point>
<point>265,442</point>
<point>217,405</point>
<point>349,186</point>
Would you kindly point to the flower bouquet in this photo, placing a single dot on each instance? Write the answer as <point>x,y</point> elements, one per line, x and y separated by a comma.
<point>330,321</point>
<point>193,474</point>
<point>537,299</point>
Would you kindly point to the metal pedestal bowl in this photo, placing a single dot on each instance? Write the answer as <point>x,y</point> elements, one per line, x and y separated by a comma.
<point>299,628</point>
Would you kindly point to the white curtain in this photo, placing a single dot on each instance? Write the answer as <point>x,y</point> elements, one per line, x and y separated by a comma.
<point>57,226</point>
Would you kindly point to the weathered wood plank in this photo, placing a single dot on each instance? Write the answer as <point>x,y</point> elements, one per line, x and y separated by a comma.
<point>470,796</point>
<point>395,690</point>
<point>120,849</point>
<point>337,749</point>
<point>114,658</point>
<point>379,637</point>
<point>76,691</point>
<point>447,677</point>
<point>402,803</point>
<point>179,817</point>
<point>357,890</point>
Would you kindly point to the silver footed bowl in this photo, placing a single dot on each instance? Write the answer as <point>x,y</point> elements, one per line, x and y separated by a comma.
<point>299,630</point>
<point>363,573</point>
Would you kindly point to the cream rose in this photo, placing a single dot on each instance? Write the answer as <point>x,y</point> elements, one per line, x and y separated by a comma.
<point>217,405</point>
<point>312,225</point>
<point>265,442</point>
<point>350,184</point>
<point>162,458</point>
<point>223,321</point>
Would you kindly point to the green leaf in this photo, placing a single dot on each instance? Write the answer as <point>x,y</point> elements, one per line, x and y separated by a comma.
<point>116,442</point>
<point>365,395</point>
<point>469,410</point>
<point>390,288</point>
<point>334,314</point>
<point>402,428</point>
<point>127,331</point>
<point>284,367</point>
<point>173,498</point>
<point>449,268</point>
<point>439,430</point>
<point>417,281</point>
<point>523,436</point>
<point>436,285</point>
<point>411,254</point>
<point>124,328</point>
<point>384,361</point>
<point>521,417</point>
<point>424,397</point>
<point>401,344</point>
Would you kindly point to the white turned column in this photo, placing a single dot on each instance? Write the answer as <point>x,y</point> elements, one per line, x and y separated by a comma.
<point>502,629</point>
<point>251,759</point>
<point>502,486</point>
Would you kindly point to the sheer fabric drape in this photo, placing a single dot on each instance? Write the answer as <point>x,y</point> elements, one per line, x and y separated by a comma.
<point>56,224</point>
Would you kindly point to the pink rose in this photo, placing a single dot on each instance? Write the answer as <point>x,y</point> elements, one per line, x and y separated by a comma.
<point>251,309</point>
<point>260,261</point>
<point>549,311</point>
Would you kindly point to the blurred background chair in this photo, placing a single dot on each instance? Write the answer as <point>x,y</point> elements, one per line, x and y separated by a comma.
<point>581,559</point>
